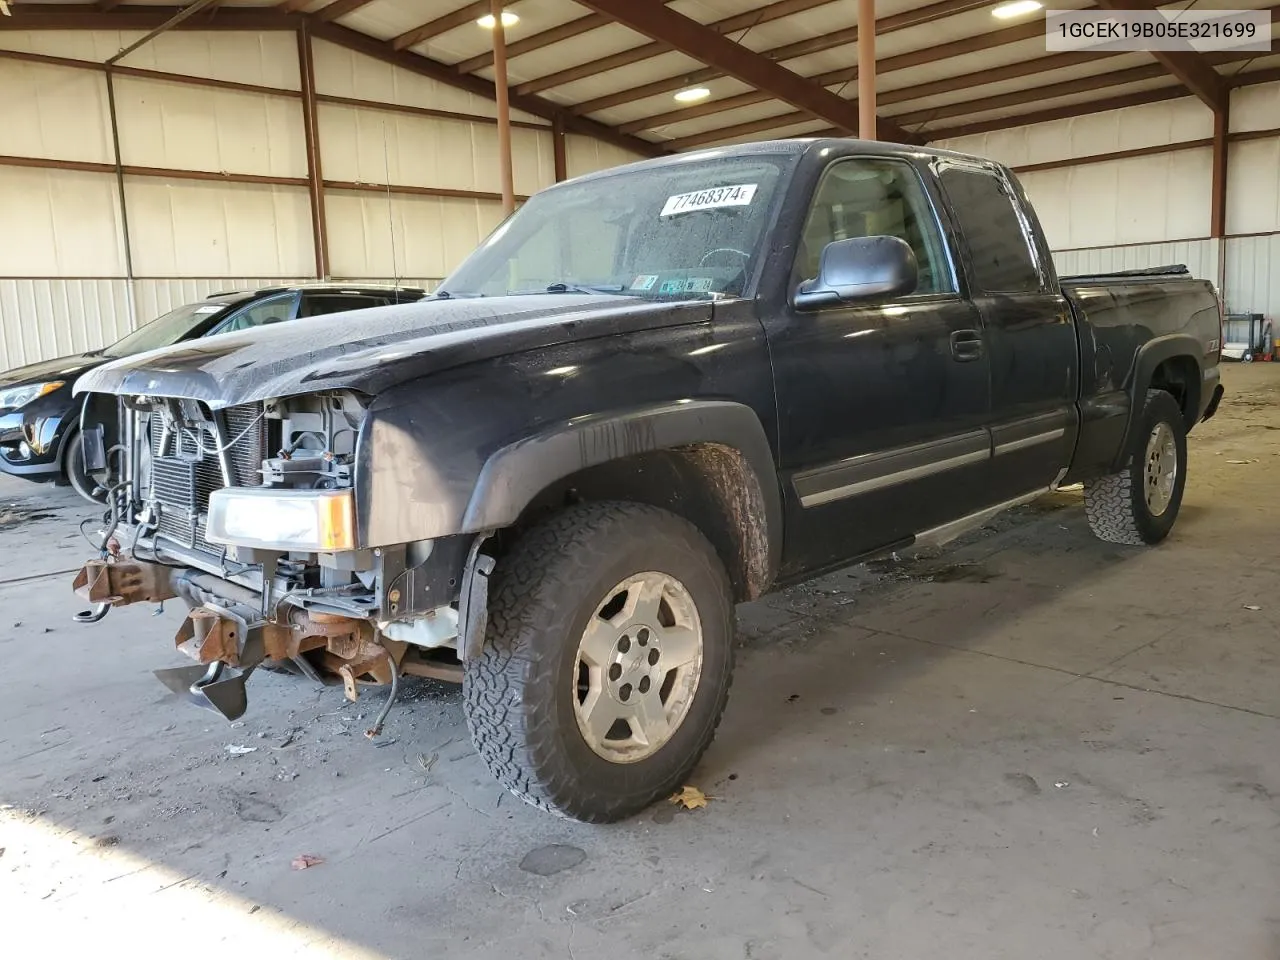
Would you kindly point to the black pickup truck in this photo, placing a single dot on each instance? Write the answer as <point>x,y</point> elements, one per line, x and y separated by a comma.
<point>652,393</point>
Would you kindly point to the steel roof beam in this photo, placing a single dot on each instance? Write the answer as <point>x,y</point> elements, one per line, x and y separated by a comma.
<point>837,38</point>
<point>1187,66</point>
<point>450,21</point>
<point>702,43</point>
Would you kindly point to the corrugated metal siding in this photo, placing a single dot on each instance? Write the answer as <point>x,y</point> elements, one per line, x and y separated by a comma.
<point>65,224</point>
<point>57,112</point>
<point>185,127</point>
<point>1253,276</point>
<point>40,319</point>
<point>431,234</point>
<point>206,229</point>
<point>1139,200</point>
<point>362,145</point>
<point>267,58</point>
<point>1142,126</point>
<point>1253,185</point>
<point>59,222</point>
<point>584,155</point>
<point>344,73</point>
<point>1200,256</point>
<point>1255,107</point>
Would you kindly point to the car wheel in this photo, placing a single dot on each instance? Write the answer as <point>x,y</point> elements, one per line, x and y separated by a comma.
<point>1139,504</point>
<point>73,466</point>
<point>607,661</point>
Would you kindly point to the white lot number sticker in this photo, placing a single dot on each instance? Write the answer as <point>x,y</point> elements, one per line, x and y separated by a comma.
<point>739,195</point>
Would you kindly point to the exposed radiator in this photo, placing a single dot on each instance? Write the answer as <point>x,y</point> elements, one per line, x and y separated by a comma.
<point>188,470</point>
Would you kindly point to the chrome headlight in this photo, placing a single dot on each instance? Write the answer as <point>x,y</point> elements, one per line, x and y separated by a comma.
<point>313,521</point>
<point>16,397</point>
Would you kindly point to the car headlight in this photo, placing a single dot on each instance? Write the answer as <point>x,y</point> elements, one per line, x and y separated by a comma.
<point>317,521</point>
<point>16,397</point>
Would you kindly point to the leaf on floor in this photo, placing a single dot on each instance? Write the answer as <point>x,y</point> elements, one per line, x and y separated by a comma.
<point>305,861</point>
<point>691,798</point>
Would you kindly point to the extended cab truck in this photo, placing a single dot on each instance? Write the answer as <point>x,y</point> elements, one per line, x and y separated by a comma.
<point>652,393</point>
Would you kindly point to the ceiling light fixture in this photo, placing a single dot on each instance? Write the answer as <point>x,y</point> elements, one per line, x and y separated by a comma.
<point>692,95</point>
<point>1016,8</point>
<point>509,19</point>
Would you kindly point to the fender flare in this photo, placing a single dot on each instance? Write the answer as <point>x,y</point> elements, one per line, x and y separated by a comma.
<point>518,472</point>
<point>1149,356</point>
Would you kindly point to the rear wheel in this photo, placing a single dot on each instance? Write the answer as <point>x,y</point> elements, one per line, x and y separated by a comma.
<point>1139,504</point>
<point>607,662</point>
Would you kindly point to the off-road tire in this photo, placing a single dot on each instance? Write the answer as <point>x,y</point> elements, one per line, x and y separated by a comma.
<point>1116,505</point>
<point>518,694</point>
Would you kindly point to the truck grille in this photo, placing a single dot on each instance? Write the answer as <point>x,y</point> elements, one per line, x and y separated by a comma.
<point>183,475</point>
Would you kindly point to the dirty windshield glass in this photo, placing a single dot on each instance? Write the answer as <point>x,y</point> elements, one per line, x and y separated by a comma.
<point>679,230</point>
<point>174,326</point>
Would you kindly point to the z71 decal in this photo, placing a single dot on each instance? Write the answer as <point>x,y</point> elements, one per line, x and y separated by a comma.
<point>740,195</point>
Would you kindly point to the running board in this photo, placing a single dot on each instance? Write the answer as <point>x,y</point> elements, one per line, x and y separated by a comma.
<point>941,535</point>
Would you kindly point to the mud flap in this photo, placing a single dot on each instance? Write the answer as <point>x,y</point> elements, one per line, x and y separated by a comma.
<point>217,687</point>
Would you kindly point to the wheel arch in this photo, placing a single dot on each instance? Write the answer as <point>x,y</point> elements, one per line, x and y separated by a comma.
<point>708,461</point>
<point>1170,363</point>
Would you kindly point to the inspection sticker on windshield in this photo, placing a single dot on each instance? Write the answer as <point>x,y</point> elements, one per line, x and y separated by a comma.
<point>644,282</point>
<point>740,195</point>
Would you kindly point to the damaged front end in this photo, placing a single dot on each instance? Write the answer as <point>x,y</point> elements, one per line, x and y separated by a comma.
<point>247,514</point>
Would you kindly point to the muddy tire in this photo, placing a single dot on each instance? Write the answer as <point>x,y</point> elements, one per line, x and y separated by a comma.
<point>1139,504</point>
<point>607,661</point>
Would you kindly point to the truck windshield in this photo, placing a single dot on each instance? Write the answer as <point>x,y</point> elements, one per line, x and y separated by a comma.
<point>174,327</point>
<point>675,231</point>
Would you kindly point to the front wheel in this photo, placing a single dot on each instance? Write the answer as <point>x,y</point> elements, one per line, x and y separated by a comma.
<point>607,661</point>
<point>1139,504</point>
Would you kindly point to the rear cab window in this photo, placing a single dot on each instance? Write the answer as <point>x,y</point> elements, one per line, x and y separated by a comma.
<point>995,235</point>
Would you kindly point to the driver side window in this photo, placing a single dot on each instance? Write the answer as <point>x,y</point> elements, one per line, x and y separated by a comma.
<point>865,197</point>
<point>275,310</point>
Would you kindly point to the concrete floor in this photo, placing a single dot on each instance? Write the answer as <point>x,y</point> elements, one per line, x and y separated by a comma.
<point>1035,745</point>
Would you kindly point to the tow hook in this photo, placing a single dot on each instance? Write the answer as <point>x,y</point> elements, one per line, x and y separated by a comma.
<point>93,614</point>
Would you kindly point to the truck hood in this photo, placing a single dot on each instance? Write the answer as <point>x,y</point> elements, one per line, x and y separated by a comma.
<point>61,368</point>
<point>371,350</point>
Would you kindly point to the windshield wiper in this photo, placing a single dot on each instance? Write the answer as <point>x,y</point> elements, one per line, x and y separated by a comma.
<point>561,287</point>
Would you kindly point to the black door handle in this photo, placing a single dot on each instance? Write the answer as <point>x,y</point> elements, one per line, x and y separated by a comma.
<point>966,345</point>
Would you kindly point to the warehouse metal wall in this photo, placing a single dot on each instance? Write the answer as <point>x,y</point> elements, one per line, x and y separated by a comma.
<point>64,282</point>
<point>1154,209</point>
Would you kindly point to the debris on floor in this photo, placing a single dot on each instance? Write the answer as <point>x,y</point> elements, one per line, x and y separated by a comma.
<point>306,860</point>
<point>237,749</point>
<point>691,798</point>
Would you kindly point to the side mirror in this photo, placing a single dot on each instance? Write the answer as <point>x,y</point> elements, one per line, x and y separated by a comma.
<point>860,269</point>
